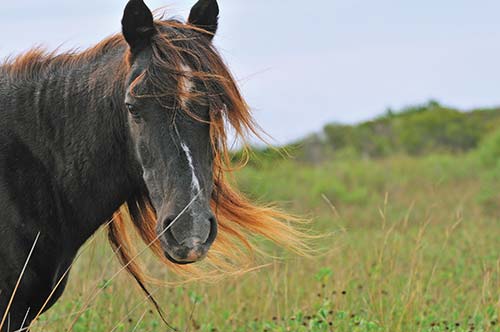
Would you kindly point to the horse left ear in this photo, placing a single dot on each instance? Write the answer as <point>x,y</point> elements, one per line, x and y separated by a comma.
<point>205,15</point>
<point>137,25</point>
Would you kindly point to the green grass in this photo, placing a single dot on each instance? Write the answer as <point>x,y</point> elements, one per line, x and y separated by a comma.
<point>409,246</point>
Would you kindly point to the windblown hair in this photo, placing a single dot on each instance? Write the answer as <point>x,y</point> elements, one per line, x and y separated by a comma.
<point>176,44</point>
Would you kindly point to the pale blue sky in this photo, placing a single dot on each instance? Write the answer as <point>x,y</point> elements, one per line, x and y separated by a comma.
<point>303,64</point>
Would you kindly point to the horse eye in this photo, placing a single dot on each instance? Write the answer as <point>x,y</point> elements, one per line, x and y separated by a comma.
<point>133,111</point>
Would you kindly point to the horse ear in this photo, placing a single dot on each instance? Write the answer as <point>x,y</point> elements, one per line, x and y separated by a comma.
<point>137,25</point>
<point>205,15</point>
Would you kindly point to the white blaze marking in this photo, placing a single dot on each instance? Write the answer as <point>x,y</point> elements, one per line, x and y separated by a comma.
<point>186,85</point>
<point>195,184</point>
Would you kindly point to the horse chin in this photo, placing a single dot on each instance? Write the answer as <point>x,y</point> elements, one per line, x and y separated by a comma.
<point>177,262</point>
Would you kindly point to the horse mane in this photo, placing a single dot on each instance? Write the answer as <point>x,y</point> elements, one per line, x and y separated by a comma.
<point>239,219</point>
<point>37,61</point>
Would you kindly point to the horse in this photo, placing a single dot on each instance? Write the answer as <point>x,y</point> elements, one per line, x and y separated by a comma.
<point>132,131</point>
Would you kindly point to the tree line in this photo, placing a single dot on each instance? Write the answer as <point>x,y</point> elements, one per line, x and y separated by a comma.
<point>415,130</point>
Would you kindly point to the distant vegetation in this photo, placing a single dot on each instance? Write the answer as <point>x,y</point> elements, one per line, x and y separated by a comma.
<point>413,131</point>
<point>421,132</point>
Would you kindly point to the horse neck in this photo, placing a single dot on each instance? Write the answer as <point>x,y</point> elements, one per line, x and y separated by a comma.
<point>81,127</point>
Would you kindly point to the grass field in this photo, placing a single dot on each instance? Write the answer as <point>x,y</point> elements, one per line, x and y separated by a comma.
<point>411,244</point>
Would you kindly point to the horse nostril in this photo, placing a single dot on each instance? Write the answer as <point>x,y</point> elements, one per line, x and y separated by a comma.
<point>213,231</point>
<point>167,223</point>
<point>167,231</point>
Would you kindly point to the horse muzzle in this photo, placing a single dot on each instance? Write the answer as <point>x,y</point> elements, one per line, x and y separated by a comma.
<point>188,240</point>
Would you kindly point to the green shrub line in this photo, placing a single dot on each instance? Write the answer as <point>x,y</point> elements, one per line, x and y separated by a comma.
<point>417,130</point>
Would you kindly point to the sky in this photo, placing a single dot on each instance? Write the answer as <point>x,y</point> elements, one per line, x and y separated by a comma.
<point>303,64</point>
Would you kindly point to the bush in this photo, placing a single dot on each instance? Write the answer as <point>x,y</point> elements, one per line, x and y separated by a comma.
<point>489,151</point>
<point>417,130</point>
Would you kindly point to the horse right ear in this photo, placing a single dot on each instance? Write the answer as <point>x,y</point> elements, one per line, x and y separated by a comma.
<point>137,25</point>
